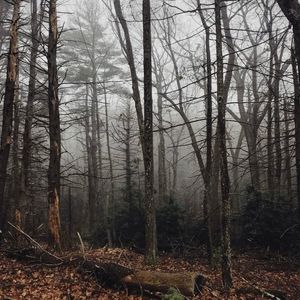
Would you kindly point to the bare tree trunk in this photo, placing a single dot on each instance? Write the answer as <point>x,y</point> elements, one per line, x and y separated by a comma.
<point>150,214</point>
<point>162,176</point>
<point>288,173</point>
<point>291,9</point>
<point>127,141</point>
<point>15,154</point>
<point>134,79</point>
<point>54,132</point>
<point>296,79</point>
<point>70,215</point>
<point>99,146</point>
<point>270,156</point>
<point>91,178</point>
<point>252,136</point>
<point>278,156</point>
<point>10,86</point>
<point>93,145</point>
<point>209,130</point>
<point>111,201</point>
<point>27,136</point>
<point>225,184</point>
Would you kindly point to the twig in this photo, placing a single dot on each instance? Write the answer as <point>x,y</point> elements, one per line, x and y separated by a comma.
<point>288,229</point>
<point>263,291</point>
<point>35,242</point>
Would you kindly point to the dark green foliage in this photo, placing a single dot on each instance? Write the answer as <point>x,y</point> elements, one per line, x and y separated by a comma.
<point>130,227</point>
<point>271,224</point>
<point>169,226</point>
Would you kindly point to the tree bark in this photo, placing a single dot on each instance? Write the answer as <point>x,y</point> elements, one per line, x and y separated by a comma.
<point>296,75</point>
<point>111,201</point>
<point>93,145</point>
<point>54,132</point>
<point>27,135</point>
<point>225,184</point>
<point>209,130</point>
<point>15,191</point>
<point>134,79</point>
<point>162,176</point>
<point>288,172</point>
<point>150,214</point>
<point>128,170</point>
<point>291,9</point>
<point>10,89</point>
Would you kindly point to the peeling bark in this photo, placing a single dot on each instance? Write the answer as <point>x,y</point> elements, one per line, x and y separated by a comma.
<point>54,132</point>
<point>10,89</point>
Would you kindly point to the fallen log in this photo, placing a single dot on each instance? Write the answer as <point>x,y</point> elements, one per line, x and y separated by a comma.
<point>188,284</point>
<point>116,275</point>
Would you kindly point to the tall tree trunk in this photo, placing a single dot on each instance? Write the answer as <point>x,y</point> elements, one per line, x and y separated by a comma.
<point>99,146</point>
<point>296,79</point>
<point>270,156</point>
<point>27,135</point>
<point>54,132</point>
<point>150,215</point>
<point>253,130</point>
<point>291,9</point>
<point>225,184</point>
<point>127,127</point>
<point>15,155</point>
<point>93,145</point>
<point>288,173</point>
<point>209,130</point>
<point>111,203</point>
<point>91,178</point>
<point>134,79</point>
<point>162,176</point>
<point>10,87</point>
<point>278,155</point>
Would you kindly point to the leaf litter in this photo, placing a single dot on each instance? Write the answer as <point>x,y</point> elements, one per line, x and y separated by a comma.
<point>255,277</point>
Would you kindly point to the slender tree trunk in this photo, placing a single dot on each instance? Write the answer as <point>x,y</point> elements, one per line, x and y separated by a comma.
<point>27,136</point>
<point>209,130</point>
<point>70,215</point>
<point>94,150</point>
<point>150,215</point>
<point>225,184</point>
<point>134,79</point>
<point>111,201</point>
<point>278,155</point>
<point>162,177</point>
<point>127,127</point>
<point>15,154</point>
<point>288,173</point>
<point>99,147</point>
<point>10,87</point>
<point>215,204</point>
<point>270,156</point>
<point>92,193</point>
<point>54,132</point>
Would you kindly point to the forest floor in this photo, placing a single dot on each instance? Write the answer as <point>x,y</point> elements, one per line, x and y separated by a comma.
<point>21,280</point>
